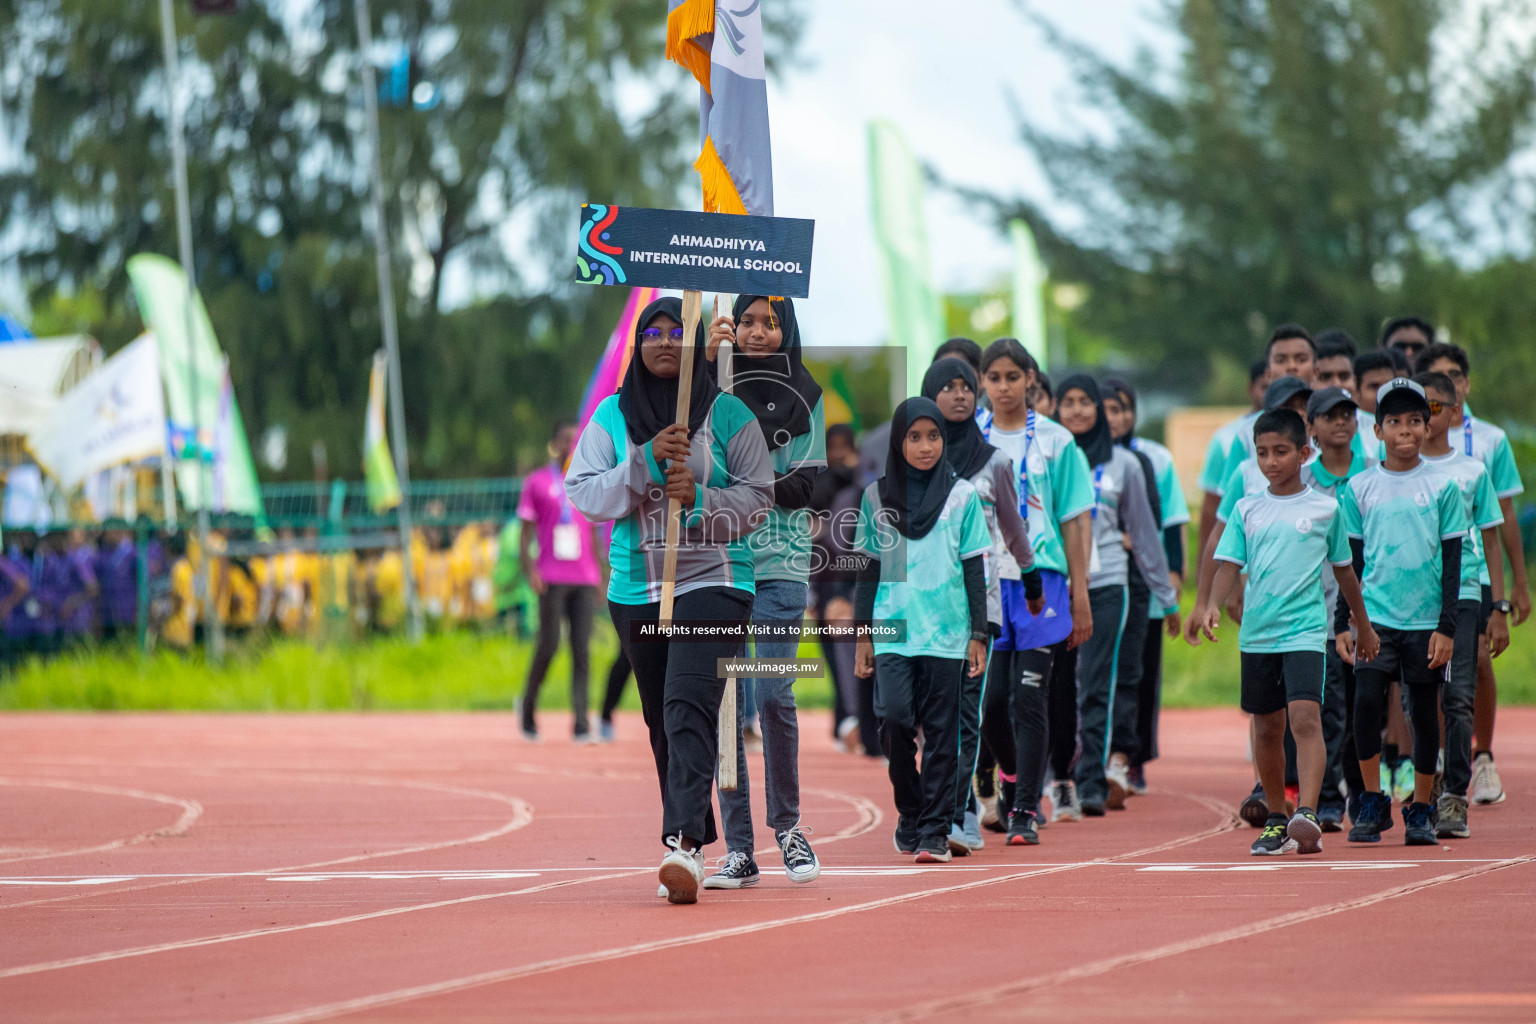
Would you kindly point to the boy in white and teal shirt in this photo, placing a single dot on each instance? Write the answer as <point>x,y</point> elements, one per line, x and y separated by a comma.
<point>1481,504</point>
<point>1282,537</point>
<point>1406,521</point>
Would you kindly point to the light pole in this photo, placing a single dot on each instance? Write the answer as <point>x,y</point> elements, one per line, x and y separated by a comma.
<point>213,629</point>
<point>387,316</point>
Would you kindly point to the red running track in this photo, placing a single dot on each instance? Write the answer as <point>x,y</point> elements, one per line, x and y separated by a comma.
<point>173,868</point>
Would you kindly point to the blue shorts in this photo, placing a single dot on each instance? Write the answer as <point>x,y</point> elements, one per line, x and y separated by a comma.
<point>1025,632</point>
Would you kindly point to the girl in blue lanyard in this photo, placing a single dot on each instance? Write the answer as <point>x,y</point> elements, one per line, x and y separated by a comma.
<point>1107,670</point>
<point>1028,711</point>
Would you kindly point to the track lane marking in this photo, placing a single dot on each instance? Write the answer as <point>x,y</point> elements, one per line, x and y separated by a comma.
<point>191,810</point>
<point>987,997</point>
<point>256,933</point>
<point>522,815</point>
<point>1228,822</point>
<point>868,817</point>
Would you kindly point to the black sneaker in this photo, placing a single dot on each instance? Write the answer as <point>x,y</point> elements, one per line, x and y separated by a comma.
<point>1254,810</point>
<point>1306,830</point>
<point>933,851</point>
<point>1331,817</point>
<point>738,872</point>
<point>1091,802</point>
<point>906,838</point>
<point>1021,829</point>
<point>1273,841</point>
<point>800,862</point>
<point>1352,806</point>
<point>1375,817</point>
<point>1418,829</point>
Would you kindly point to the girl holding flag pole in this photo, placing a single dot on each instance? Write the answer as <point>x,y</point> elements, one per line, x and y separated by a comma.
<point>773,382</point>
<point>631,460</point>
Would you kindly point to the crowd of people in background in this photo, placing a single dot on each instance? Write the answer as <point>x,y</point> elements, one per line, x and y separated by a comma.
<point>74,589</point>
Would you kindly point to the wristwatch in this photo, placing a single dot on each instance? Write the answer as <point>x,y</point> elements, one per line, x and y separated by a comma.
<point>1503,606</point>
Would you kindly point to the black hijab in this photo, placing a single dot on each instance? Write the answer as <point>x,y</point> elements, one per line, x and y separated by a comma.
<point>777,387</point>
<point>964,447</point>
<point>914,497</point>
<point>1127,396</point>
<point>1095,441</point>
<point>649,402</point>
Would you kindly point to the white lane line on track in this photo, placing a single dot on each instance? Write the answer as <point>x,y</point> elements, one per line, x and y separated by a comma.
<point>869,817</point>
<point>215,940</point>
<point>522,814</point>
<point>191,810</point>
<point>929,1010</point>
<point>1227,823</point>
<point>851,870</point>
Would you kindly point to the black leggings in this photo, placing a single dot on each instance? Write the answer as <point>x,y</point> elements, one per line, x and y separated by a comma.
<point>618,675</point>
<point>680,695</point>
<point>1021,718</point>
<point>1423,700</point>
<point>574,603</point>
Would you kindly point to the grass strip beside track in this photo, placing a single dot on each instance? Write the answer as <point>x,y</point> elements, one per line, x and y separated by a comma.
<point>468,671</point>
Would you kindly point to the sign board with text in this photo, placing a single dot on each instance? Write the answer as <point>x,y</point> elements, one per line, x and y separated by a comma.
<point>707,252</point>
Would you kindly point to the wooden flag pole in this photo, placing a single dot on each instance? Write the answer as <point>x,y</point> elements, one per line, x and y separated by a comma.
<point>726,769</point>
<point>692,300</point>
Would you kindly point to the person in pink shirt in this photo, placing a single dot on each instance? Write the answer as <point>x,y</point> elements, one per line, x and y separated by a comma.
<point>564,575</point>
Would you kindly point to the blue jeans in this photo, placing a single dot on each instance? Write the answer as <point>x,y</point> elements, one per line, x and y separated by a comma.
<point>778,601</point>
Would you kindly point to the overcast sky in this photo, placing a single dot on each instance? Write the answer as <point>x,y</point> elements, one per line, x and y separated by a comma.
<point>944,82</point>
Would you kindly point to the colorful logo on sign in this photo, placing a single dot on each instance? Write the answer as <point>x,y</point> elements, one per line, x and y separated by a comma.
<point>595,263</point>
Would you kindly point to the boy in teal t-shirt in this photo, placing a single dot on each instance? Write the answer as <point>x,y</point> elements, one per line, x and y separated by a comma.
<point>1405,521</point>
<point>1282,537</point>
<point>1481,503</point>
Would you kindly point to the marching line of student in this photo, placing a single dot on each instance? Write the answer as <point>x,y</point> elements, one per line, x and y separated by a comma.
<point>1029,550</point>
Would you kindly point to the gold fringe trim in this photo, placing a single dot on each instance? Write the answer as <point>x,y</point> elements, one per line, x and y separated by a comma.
<point>720,195</point>
<point>689,19</point>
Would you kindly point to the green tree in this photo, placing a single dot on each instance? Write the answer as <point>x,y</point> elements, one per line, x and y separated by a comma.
<point>1295,160</point>
<point>538,106</point>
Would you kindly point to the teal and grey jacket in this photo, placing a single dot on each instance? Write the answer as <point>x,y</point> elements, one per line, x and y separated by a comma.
<point>613,479</point>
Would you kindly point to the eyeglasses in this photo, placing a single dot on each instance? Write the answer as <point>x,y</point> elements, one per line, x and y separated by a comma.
<point>653,335</point>
<point>1436,408</point>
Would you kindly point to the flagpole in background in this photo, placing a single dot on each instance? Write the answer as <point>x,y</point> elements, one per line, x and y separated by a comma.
<point>1028,303</point>
<point>912,303</point>
<point>213,628</point>
<point>387,317</point>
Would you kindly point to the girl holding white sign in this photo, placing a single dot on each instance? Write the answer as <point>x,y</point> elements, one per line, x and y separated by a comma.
<point>631,460</point>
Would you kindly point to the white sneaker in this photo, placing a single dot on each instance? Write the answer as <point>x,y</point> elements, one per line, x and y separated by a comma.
<point>845,742</point>
<point>1487,787</point>
<point>681,872</point>
<point>661,892</point>
<point>1064,802</point>
<point>1118,775</point>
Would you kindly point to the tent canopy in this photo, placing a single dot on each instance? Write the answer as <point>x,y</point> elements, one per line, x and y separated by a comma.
<point>49,366</point>
<point>35,374</point>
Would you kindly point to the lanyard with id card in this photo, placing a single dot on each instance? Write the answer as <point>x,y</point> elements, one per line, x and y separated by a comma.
<point>565,544</point>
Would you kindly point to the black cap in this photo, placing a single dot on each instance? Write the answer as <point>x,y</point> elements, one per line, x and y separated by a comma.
<point>1400,395</point>
<point>1327,400</point>
<point>1282,391</point>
